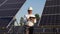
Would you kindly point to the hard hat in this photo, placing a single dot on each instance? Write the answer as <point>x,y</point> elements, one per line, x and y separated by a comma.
<point>30,8</point>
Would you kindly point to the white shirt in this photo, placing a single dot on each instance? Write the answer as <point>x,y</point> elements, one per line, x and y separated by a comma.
<point>29,23</point>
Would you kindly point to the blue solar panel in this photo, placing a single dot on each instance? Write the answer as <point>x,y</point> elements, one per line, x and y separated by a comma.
<point>51,13</point>
<point>4,21</point>
<point>8,9</point>
<point>51,16</point>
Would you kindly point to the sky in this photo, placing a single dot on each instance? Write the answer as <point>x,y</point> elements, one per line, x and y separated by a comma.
<point>37,5</point>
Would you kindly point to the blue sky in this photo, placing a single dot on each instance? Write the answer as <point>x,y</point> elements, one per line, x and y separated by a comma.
<point>37,5</point>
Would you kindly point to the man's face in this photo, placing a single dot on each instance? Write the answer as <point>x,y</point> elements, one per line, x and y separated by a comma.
<point>29,11</point>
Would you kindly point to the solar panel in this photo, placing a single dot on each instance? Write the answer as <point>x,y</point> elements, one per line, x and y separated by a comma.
<point>4,21</point>
<point>51,13</point>
<point>8,9</point>
<point>50,19</point>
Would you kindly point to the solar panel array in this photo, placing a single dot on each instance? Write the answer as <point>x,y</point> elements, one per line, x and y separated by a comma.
<point>8,9</point>
<point>51,13</point>
<point>50,20</point>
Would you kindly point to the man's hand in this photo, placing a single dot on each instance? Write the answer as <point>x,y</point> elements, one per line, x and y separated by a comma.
<point>31,19</point>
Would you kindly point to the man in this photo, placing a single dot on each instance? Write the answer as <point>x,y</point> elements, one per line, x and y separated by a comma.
<point>29,20</point>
